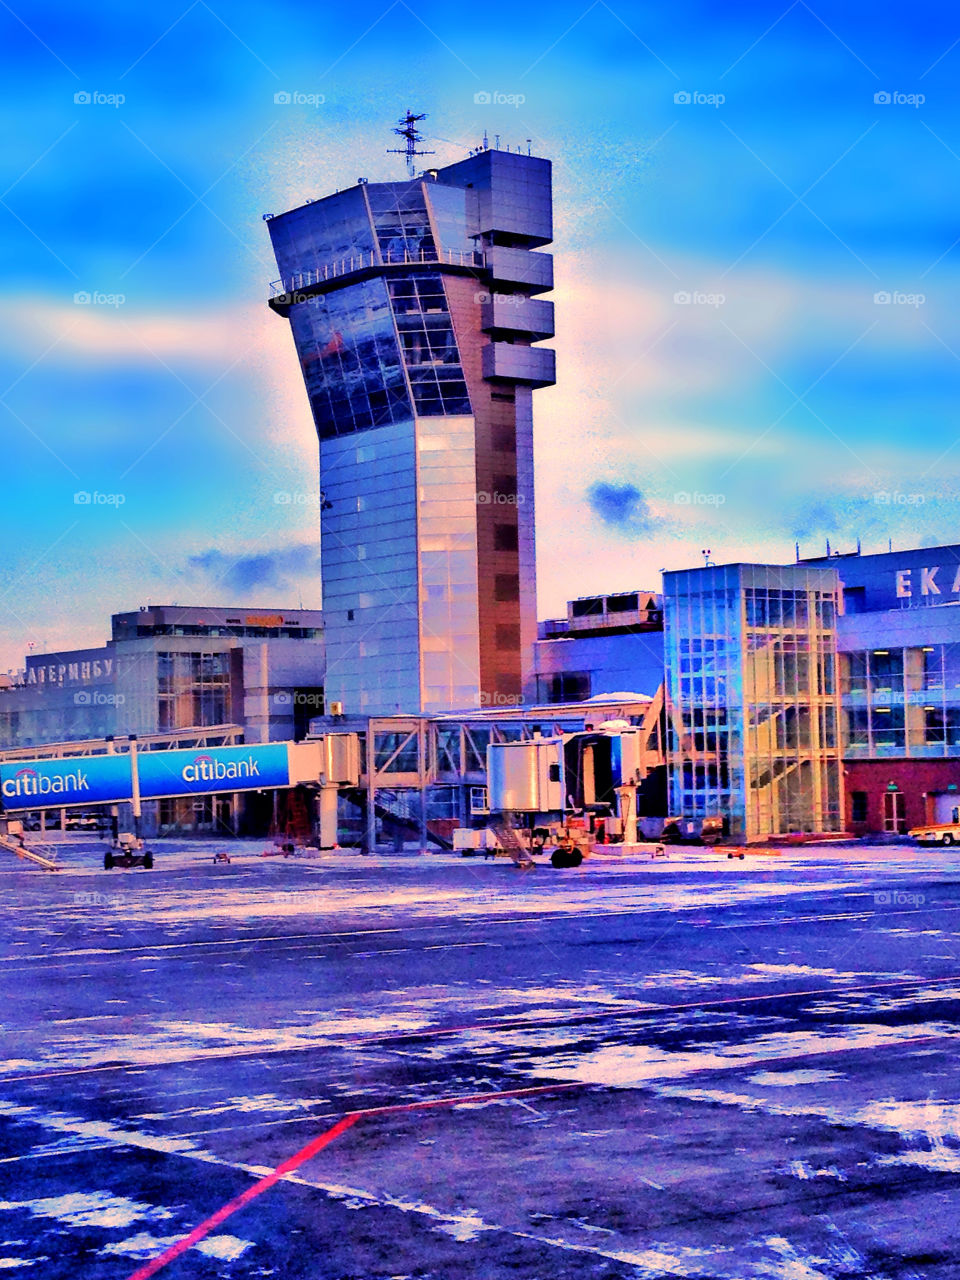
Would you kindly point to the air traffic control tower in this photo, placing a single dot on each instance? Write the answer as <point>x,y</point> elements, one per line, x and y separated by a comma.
<point>415,310</point>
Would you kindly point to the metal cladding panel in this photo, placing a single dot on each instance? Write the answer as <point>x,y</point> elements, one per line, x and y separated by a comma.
<point>518,776</point>
<point>631,756</point>
<point>513,193</point>
<point>341,758</point>
<point>508,265</point>
<point>508,362</point>
<point>518,314</point>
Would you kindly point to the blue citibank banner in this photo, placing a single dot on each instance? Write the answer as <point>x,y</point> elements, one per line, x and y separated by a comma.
<point>90,780</point>
<point>207,769</point>
<point>35,784</point>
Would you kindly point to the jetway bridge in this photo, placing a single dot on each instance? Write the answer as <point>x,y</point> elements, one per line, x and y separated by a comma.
<point>414,776</point>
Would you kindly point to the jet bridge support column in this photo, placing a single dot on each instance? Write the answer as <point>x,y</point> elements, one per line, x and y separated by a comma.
<point>327,806</point>
<point>627,797</point>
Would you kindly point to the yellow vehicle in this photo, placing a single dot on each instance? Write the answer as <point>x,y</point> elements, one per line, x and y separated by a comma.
<point>945,833</point>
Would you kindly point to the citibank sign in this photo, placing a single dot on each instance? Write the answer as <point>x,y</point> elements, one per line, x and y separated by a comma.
<point>155,775</point>
<point>926,583</point>
<point>88,780</point>
<point>193,772</point>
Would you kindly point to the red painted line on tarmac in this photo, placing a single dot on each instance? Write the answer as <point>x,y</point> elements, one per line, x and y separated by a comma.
<point>346,1122</point>
<point>311,1149</point>
<point>156,1264</point>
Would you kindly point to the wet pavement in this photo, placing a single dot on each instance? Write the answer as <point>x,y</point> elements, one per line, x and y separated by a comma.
<point>673,1067</point>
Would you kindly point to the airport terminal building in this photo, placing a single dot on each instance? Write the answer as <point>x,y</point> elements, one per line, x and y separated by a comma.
<point>899,641</point>
<point>169,667</point>
<point>757,699</point>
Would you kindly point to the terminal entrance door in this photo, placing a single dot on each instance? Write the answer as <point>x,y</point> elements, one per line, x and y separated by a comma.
<point>894,816</point>
<point>945,808</point>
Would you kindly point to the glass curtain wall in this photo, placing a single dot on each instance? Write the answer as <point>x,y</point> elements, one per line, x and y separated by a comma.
<point>902,701</point>
<point>752,681</point>
<point>193,689</point>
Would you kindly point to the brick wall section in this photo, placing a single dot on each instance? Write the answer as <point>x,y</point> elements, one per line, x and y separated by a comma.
<point>914,778</point>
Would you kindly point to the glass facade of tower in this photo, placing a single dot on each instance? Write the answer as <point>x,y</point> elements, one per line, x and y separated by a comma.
<point>754,698</point>
<point>420,392</point>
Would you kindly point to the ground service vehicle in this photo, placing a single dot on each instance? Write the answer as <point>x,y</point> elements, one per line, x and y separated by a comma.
<point>945,833</point>
<point>128,852</point>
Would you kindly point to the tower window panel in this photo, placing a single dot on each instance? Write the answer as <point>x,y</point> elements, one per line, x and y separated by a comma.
<point>452,386</point>
<point>506,587</point>
<point>456,406</point>
<point>505,537</point>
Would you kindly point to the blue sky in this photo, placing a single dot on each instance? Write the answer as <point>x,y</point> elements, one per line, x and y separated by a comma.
<point>735,157</point>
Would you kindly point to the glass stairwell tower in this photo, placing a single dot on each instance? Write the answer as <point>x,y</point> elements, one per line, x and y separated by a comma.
<point>414,308</point>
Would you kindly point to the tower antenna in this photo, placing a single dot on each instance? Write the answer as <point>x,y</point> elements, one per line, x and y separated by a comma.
<point>411,134</point>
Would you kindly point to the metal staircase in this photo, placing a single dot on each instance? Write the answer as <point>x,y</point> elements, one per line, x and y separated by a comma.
<point>510,843</point>
<point>44,855</point>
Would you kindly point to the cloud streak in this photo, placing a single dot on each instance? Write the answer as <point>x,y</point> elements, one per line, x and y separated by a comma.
<point>279,569</point>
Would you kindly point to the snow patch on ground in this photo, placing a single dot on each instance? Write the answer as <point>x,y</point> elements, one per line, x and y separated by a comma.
<point>786,1079</point>
<point>142,1245</point>
<point>90,1209</point>
<point>226,1248</point>
<point>930,1129</point>
<point>804,1171</point>
<point>788,1264</point>
<point>632,1066</point>
<point>106,1132</point>
<point>268,1103</point>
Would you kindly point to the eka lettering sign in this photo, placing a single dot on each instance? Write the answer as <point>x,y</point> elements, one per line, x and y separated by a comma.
<point>204,770</point>
<point>927,582</point>
<point>36,784</point>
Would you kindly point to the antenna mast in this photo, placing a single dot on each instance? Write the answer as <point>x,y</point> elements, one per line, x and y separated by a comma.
<point>411,134</point>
